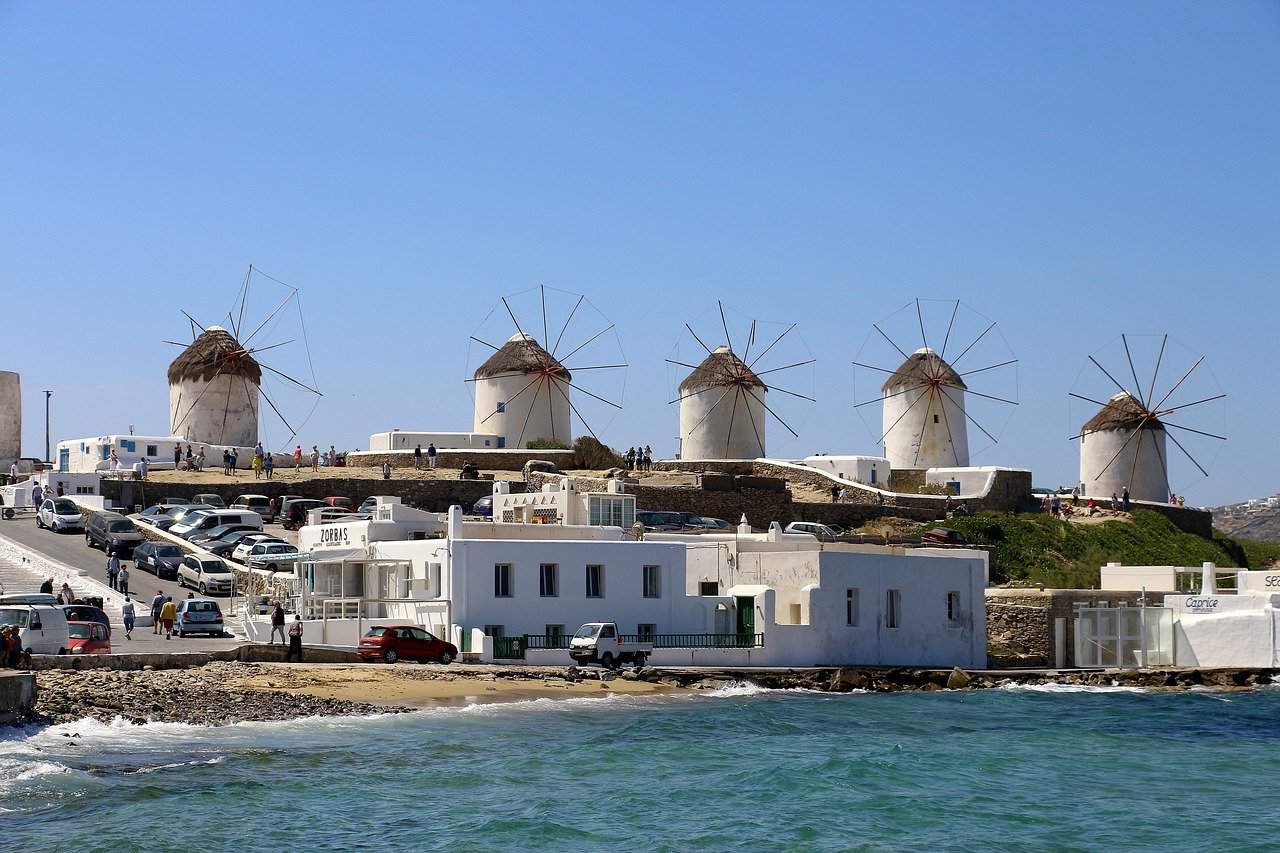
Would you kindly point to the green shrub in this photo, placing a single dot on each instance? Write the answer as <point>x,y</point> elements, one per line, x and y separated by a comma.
<point>546,444</point>
<point>593,455</point>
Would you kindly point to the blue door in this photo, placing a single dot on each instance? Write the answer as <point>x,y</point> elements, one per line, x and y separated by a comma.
<point>64,459</point>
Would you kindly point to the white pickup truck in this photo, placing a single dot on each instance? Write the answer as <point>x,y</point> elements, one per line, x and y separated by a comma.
<point>601,642</point>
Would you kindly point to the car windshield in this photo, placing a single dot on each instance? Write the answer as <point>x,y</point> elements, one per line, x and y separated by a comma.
<point>281,548</point>
<point>14,616</point>
<point>65,508</point>
<point>123,526</point>
<point>78,631</point>
<point>168,551</point>
<point>196,606</point>
<point>214,567</point>
<point>234,535</point>
<point>588,632</point>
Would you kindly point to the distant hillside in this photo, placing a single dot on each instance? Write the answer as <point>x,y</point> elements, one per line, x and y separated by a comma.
<point>1262,523</point>
<point>1040,549</point>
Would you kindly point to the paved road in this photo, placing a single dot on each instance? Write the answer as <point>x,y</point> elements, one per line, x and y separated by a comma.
<point>69,549</point>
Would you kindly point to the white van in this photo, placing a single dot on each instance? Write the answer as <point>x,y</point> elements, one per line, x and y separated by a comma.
<point>211,518</point>
<point>41,628</point>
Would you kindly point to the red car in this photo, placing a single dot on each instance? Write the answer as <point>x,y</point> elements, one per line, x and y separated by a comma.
<point>390,643</point>
<point>89,638</point>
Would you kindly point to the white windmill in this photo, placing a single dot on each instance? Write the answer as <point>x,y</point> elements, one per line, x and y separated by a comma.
<point>726,401</point>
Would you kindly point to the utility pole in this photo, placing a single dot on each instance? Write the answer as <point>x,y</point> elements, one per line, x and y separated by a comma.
<point>47,395</point>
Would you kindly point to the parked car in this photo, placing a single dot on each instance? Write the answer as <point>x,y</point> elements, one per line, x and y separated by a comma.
<point>159,558</point>
<point>212,518</point>
<point>86,613</point>
<point>227,543</point>
<point>177,501</point>
<point>210,499</point>
<point>332,514</point>
<point>812,528</point>
<point>368,505</point>
<point>152,513</point>
<point>88,638</point>
<point>59,514</point>
<point>215,533</point>
<point>943,536</point>
<point>715,523</point>
<point>297,512</point>
<point>602,643</point>
<point>42,628</point>
<point>483,506</point>
<point>259,556</point>
<point>181,514</point>
<point>341,503</point>
<point>241,551</point>
<point>278,504</point>
<point>112,532</point>
<point>209,575</point>
<point>198,616</point>
<point>261,504</point>
<point>660,520</point>
<point>390,643</point>
<point>693,520</point>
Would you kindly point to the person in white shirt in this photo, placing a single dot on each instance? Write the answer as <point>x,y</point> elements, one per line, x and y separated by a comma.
<point>13,472</point>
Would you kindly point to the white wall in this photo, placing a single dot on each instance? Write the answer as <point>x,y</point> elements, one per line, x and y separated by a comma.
<point>715,428</point>
<point>399,440</point>
<point>223,411</point>
<point>1140,465</point>
<point>84,455</point>
<point>1223,630</point>
<point>1130,578</point>
<point>973,481</point>
<point>931,434</point>
<point>871,470</point>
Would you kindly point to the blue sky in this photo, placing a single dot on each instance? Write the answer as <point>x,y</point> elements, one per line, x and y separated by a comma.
<point>1073,171</point>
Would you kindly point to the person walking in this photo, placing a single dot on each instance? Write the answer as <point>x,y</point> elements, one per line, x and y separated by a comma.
<point>297,457</point>
<point>66,596</point>
<point>1124,499</point>
<point>1115,502</point>
<point>37,495</point>
<point>417,458</point>
<point>168,611</point>
<point>143,467</point>
<point>113,570</point>
<point>200,460</point>
<point>386,470</point>
<point>177,455</point>
<point>126,613</point>
<point>256,465</point>
<point>47,586</point>
<point>123,580</point>
<point>277,624</point>
<point>431,456</point>
<point>157,603</point>
<point>269,465</point>
<point>835,493</point>
<point>1075,496</point>
<point>315,458</point>
<point>295,639</point>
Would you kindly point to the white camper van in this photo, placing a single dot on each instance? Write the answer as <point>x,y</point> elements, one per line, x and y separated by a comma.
<point>41,627</point>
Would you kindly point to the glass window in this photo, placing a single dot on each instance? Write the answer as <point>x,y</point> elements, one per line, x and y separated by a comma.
<point>595,581</point>
<point>502,407</point>
<point>553,633</point>
<point>652,581</point>
<point>152,450</point>
<point>851,607</point>
<point>549,580</point>
<point>495,631</point>
<point>501,581</point>
<point>708,587</point>
<point>892,608</point>
<point>645,632</point>
<point>953,606</point>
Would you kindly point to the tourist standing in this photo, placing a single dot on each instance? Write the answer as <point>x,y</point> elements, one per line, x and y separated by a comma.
<point>13,472</point>
<point>269,465</point>
<point>277,624</point>
<point>1075,496</point>
<point>835,493</point>
<point>66,596</point>
<point>295,639</point>
<point>256,464</point>
<point>126,613</point>
<point>113,570</point>
<point>226,462</point>
<point>200,460</point>
<point>417,458</point>
<point>123,580</point>
<point>36,495</point>
<point>234,460</point>
<point>47,586</point>
<point>177,455</point>
<point>648,458</point>
<point>1124,499</point>
<point>431,456</point>
<point>157,604</point>
<point>1115,502</point>
<point>143,467</point>
<point>315,458</point>
<point>168,611</point>
<point>386,470</point>
<point>333,456</point>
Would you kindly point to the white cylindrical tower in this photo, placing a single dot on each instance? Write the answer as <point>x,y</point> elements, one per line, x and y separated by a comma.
<point>722,414</point>
<point>213,391</point>
<point>1124,445</point>
<point>10,417</point>
<point>924,419</point>
<point>522,395</point>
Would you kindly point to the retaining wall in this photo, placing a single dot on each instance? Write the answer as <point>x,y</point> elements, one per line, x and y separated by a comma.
<point>248,653</point>
<point>17,695</point>
<point>493,460</point>
<point>1023,619</point>
<point>430,495</point>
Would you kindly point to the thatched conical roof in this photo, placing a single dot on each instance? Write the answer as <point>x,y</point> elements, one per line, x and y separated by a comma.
<point>719,369</point>
<point>213,353</point>
<point>921,367</point>
<point>1122,412</point>
<point>521,354</point>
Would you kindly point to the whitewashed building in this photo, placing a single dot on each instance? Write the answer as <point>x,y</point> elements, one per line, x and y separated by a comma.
<point>93,454</point>
<point>868,470</point>
<point>561,503</point>
<point>385,442</point>
<point>741,598</point>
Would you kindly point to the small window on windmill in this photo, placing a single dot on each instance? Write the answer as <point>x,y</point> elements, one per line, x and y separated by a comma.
<point>502,407</point>
<point>935,419</point>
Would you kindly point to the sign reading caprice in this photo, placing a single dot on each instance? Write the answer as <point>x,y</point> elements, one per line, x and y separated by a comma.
<point>334,536</point>
<point>1201,604</point>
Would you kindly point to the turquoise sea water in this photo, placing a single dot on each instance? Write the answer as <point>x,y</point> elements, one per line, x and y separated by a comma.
<point>739,769</point>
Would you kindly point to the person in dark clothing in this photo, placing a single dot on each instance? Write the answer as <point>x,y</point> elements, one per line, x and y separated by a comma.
<point>47,586</point>
<point>277,624</point>
<point>295,639</point>
<point>1124,499</point>
<point>835,493</point>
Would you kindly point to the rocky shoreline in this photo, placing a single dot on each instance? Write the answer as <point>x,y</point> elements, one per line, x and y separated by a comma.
<point>220,693</point>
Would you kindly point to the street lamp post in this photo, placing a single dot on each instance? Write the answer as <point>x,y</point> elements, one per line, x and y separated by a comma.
<point>47,395</point>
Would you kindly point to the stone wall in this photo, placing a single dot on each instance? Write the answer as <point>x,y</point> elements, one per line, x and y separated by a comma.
<point>17,695</point>
<point>1185,518</point>
<point>712,466</point>
<point>493,460</point>
<point>908,480</point>
<point>1023,618</point>
<point>856,515</point>
<point>430,495</point>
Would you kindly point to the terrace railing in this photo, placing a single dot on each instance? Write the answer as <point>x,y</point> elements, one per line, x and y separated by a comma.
<point>514,648</point>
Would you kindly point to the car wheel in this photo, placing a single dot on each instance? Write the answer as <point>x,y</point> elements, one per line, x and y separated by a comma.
<point>181,634</point>
<point>606,660</point>
<point>88,541</point>
<point>446,658</point>
<point>203,591</point>
<point>62,651</point>
<point>390,656</point>
<point>39,523</point>
<point>182,584</point>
